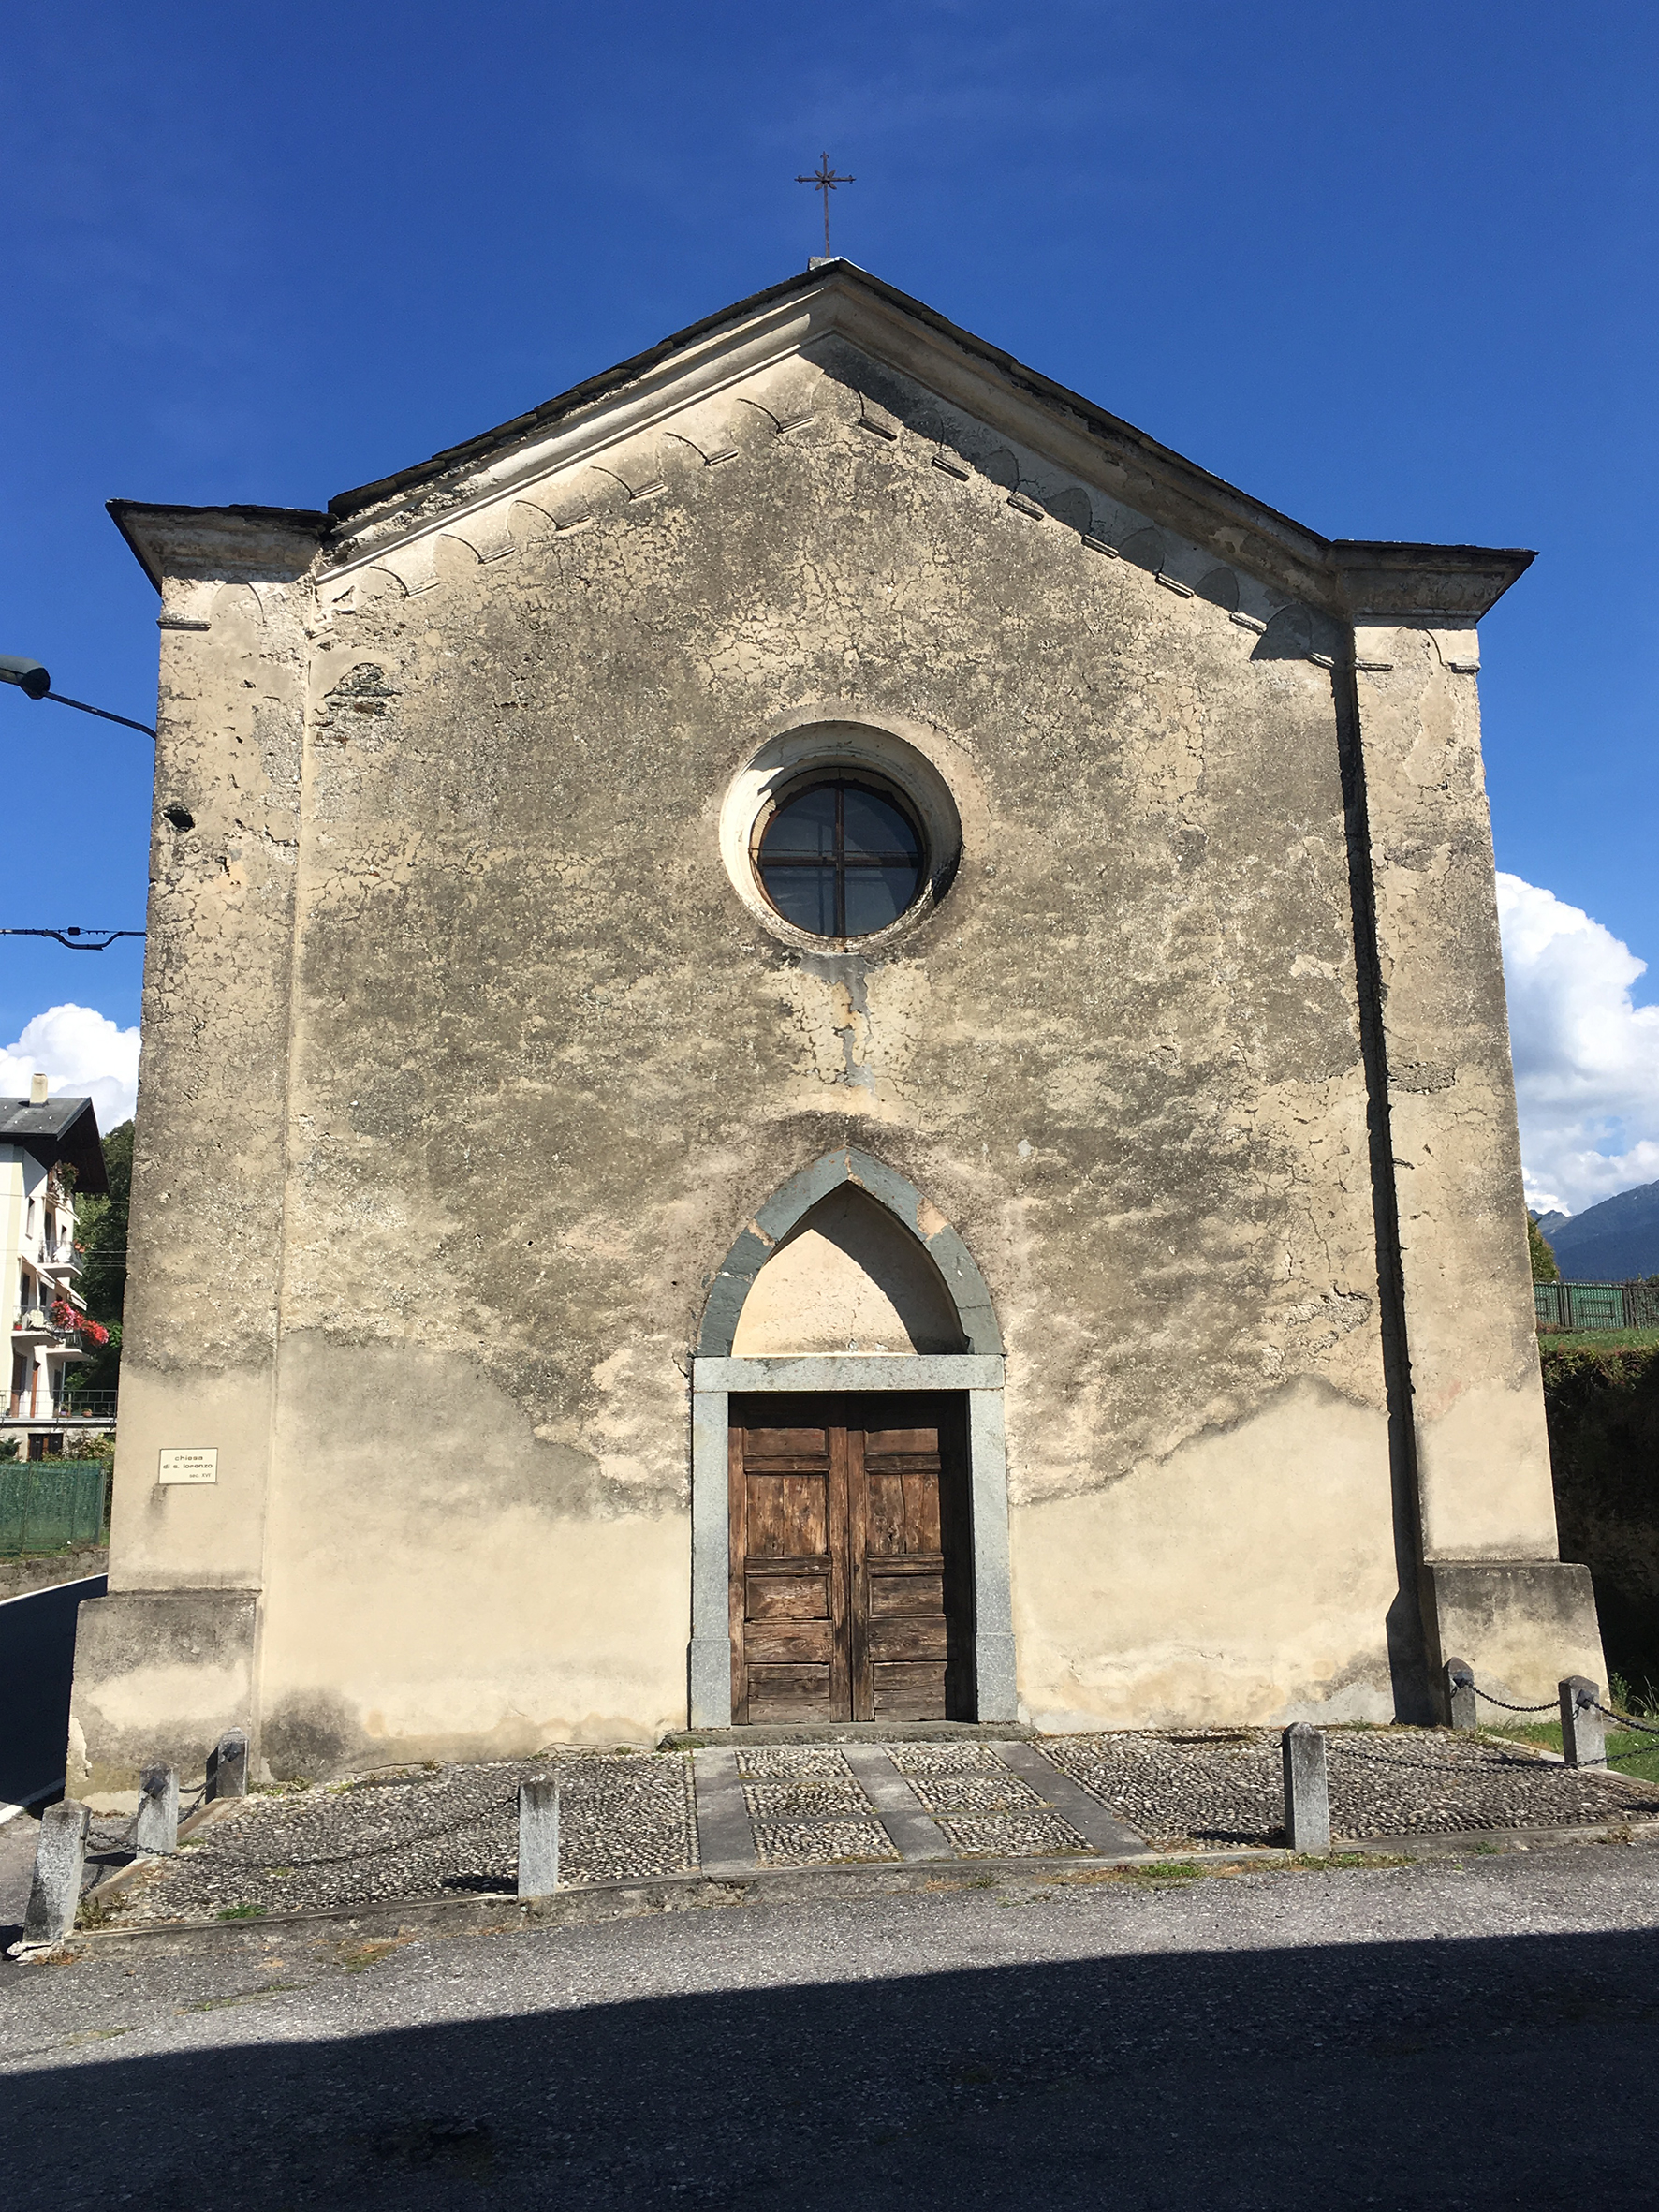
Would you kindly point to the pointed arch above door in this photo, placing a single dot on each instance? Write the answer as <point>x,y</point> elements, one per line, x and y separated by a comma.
<point>974,1374</point>
<point>787,1208</point>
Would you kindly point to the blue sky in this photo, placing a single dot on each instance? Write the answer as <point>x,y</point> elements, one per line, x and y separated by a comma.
<point>1390,270</point>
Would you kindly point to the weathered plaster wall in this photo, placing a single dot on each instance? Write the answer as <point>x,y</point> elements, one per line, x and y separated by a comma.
<point>478,964</point>
<point>545,1061</point>
<point>209,1161</point>
<point>851,1278</point>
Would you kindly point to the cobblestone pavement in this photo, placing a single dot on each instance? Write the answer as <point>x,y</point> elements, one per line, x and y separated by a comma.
<point>447,1831</point>
<point>1226,1787</point>
<point>808,1808</point>
<point>421,1832</point>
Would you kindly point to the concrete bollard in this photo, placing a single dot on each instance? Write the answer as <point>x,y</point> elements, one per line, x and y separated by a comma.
<point>228,1765</point>
<point>538,1837</point>
<point>1583,1734</point>
<point>158,1813</point>
<point>60,1862</point>
<point>1307,1795</point>
<point>1460,1696</point>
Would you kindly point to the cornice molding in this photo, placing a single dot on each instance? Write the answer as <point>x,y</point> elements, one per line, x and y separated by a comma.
<point>221,544</point>
<point>1349,579</point>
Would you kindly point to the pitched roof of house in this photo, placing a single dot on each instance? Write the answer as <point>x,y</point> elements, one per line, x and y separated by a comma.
<point>62,1130</point>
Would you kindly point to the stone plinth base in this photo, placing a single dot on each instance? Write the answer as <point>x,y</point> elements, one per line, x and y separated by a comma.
<point>1523,1625</point>
<point>159,1676</point>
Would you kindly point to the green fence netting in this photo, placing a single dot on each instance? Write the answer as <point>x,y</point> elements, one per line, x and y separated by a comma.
<point>1597,1305</point>
<point>48,1504</point>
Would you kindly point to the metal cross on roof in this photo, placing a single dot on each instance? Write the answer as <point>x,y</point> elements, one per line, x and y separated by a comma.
<point>824,180</point>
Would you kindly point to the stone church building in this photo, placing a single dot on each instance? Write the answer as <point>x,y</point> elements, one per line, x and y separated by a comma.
<point>823,1039</point>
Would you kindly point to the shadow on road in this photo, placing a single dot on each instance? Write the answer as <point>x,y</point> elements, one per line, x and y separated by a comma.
<point>1456,2073</point>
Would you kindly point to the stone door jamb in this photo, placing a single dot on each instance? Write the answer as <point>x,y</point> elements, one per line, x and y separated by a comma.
<point>714,1380</point>
<point>977,1372</point>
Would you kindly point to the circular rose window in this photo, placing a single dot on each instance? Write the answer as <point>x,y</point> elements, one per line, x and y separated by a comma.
<point>842,857</point>
<point>839,834</point>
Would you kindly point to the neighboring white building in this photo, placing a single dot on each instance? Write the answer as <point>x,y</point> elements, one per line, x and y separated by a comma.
<point>39,1138</point>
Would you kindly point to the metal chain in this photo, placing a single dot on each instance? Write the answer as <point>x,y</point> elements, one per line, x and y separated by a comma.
<point>1593,1704</point>
<point>220,1858</point>
<point>1624,1720</point>
<point>1552,1706</point>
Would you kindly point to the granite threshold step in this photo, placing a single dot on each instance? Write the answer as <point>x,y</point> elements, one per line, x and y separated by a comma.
<point>850,1731</point>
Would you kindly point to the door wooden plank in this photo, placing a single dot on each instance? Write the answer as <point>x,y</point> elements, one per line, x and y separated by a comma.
<point>846,1540</point>
<point>788,1693</point>
<point>921,1509</point>
<point>908,1593</point>
<point>738,1512</point>
<point>903,1631</point>
<point>796,1641</point>
<point>789,1596</point>
<point>910,1692</point>
<point>851,1588</point>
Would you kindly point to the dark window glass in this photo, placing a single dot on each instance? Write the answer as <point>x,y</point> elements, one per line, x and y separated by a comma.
<point>841,859</point>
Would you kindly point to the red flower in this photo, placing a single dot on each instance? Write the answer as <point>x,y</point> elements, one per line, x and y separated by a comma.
<point>64,1316</point>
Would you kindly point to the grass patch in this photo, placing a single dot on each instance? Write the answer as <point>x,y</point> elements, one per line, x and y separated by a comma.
<point>242,1912</point>
<point>359,1955</point>
<point>1629,1752</point>
<point>247,1996</point>
<point>1597,1340</point>
<point>1163,1873</point>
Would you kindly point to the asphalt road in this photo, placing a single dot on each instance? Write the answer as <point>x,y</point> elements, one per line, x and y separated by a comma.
<point>37,1661</point>
<point>1442,2035</point>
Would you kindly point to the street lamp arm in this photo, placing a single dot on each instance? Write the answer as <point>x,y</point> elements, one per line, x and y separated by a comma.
<point>103,712</point>
<point>106,936</point>
<point>32,680</point>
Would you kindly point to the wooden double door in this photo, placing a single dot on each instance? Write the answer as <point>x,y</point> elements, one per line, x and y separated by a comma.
<point>851,1576</point>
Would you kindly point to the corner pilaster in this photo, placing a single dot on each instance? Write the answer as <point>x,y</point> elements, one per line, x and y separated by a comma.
<point>1475,1416</point>
<point>209,1165</point>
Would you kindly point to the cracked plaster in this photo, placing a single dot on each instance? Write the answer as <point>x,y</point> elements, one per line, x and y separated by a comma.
<point>464,1062</point>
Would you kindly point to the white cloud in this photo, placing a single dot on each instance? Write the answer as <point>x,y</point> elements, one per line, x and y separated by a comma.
<point>1586,1059</point>
<point>81,1053</point>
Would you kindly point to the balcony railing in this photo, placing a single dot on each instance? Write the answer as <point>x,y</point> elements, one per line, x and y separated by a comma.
<point>35,1327</point>
<point>64,1260</point>
<point>88,1405</point>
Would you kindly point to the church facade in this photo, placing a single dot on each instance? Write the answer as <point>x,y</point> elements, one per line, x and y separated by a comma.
<point>822,1039</point>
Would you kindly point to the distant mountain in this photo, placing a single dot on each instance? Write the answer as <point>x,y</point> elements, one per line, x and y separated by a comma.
<point>1610,1242</point>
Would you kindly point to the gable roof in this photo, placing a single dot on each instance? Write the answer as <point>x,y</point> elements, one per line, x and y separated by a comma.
<point>62,1130</point>
<point>835,298</point>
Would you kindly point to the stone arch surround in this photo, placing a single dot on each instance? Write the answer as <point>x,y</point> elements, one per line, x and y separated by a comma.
<point>785,1211</point>
<point>977,1372</point>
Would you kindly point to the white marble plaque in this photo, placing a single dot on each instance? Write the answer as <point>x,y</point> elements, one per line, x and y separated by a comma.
<point>190,1466</point>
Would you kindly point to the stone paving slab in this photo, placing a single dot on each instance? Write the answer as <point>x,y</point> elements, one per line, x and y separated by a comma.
<point>922,1803</point>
